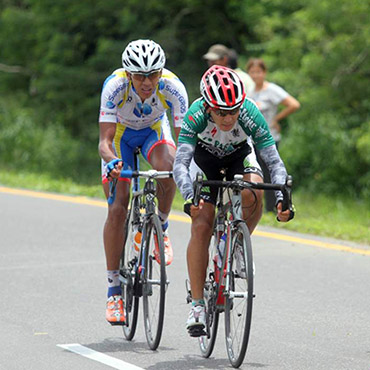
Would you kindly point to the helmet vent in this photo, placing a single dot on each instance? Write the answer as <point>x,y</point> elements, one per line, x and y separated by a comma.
<point>156,59</point>
<point>230,95</point>
<point>135,63</point>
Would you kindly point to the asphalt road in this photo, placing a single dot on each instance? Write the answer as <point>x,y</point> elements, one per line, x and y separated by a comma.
<point>311,311</point>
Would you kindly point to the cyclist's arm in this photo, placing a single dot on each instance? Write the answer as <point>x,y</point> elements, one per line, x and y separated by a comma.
<point>106,136</point>
<point>106,151</point>
<point>193,124</point>
<point>181,173</point>
<point>276,167</point>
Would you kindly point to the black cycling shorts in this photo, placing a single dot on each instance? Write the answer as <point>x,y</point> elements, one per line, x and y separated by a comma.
<point>211,165</point>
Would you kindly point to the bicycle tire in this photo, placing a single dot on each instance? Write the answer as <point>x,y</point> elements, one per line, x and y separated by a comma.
<point>154,281</point>
<point>129,278</point>
<point>238,305</point>
<point>207,342</point>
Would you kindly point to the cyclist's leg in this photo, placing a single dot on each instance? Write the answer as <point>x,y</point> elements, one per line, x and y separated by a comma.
<point>113,234</point>
<point>197,252</point>
<point>159,150</point>
<point>202,225</point>
<point>201,233</point>
<point>113,242</point>
<point>197,260</point>
<point>117,211</point>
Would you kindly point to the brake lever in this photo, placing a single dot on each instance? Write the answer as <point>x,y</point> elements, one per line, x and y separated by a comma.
<point>197,188</point>
<point>287,198</point>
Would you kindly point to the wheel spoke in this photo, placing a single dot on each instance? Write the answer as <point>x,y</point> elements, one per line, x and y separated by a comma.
<point>239,298</point>
<point>154,282</point>
<point>129,280</point>
<point>207,342</point>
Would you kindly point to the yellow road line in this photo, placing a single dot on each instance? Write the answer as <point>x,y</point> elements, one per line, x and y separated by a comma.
<point>63,198</point>
<point>315,243</point>
<point>186,219</point>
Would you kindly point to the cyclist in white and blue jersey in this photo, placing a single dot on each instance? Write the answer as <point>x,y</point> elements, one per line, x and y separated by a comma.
<point>134,102</point>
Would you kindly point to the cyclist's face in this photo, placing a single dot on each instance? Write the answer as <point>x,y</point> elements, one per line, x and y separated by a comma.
<point>224,122</point>
<point>145,84</point>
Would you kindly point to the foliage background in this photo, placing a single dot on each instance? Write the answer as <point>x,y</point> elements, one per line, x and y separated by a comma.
<point>55,55</point>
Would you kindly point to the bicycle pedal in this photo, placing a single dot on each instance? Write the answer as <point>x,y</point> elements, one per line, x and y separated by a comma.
<point>197,331</point>
<point>119,323</point>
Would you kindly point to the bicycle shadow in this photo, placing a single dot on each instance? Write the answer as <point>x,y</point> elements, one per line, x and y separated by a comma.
<point>121,345</point>
<point>188,362</point>
<point>192,362</point>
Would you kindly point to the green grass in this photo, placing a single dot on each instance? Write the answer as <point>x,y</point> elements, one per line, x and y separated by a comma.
<point>335,217</point>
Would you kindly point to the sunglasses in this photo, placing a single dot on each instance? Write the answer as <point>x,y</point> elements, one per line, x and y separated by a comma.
<point>142,76</point>
<point>224,113</point>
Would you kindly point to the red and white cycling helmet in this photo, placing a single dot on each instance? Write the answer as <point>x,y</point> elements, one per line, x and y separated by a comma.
<point>222,88</point>
<point>143,56</point>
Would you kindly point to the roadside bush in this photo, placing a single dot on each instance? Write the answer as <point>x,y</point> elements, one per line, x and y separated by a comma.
<point>323,155</point>
<point>25,144</point>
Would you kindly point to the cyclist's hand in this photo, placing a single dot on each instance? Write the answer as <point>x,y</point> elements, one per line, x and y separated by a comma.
<point>282,216</point>
<point>114,168</point>
<point>190,209</point>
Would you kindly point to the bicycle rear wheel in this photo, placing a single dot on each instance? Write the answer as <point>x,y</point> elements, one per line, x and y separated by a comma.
<point>207,342</point>
<point>154,281</point>
<point>239,298</point>
<point>129,277</point>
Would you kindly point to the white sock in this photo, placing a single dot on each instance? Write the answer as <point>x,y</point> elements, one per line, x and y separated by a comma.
<point>113,278</point>
<point>163,217</point>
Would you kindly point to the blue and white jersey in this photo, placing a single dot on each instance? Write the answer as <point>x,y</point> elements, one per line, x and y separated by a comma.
<point>121,104</point>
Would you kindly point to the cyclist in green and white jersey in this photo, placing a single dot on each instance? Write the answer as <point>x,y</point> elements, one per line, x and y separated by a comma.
<point>215,135</point>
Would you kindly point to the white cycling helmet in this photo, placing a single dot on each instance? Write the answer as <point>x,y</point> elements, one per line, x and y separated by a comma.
<point>222,88</point>
<point>143,56</point>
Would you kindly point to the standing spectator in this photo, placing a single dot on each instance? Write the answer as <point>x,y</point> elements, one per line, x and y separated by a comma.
<point>248,82</point>
<point>223,56</point>
<point>268,96</point>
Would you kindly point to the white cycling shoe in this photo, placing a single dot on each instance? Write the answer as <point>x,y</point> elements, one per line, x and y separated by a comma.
<point>196,321</point>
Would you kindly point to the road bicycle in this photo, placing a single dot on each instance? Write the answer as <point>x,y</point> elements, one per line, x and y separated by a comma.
<point>228,287</point>
<point>141,275</point>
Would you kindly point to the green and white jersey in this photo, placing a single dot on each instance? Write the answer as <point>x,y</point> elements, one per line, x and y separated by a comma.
<point>198,128</point>
<point>198,125</point>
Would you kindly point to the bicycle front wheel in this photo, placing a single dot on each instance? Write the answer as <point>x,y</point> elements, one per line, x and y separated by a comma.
<point>154,281</point>
<point>239,295</point>
<point>129,277</point>
<point>207,342</point>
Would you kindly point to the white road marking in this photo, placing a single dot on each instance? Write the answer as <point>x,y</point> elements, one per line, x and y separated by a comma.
<point>99,357</point>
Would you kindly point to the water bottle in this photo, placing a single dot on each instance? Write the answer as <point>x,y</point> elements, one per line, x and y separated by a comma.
<point>136,239</point>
